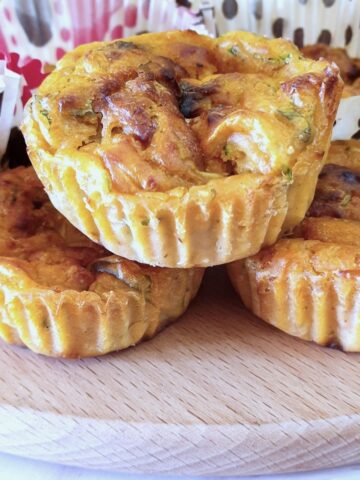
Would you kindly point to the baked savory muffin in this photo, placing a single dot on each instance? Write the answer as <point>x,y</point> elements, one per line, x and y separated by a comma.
<point>178,150</point>
<point>63,295</point>
<point>309,286</point>
<point>349,67</point>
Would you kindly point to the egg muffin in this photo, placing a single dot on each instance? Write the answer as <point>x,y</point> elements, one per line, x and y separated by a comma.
<point>62,294</point>
<point>179,150</point>
<point>309,285</point>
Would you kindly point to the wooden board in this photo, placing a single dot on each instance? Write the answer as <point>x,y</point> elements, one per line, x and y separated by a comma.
<point>218,393</point>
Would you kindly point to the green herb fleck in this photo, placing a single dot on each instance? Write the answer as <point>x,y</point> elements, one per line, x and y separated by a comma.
<point>234,50</point>
<point>346,200</point>
<point>276,61</point>
<point>289,114</point>
<point>305,135</point>
<point>46,114</point>
<point>145,222</point>
<point>213,193</point>
<point>287,173</point>
<point>285,58</point>
<point>226,150</point>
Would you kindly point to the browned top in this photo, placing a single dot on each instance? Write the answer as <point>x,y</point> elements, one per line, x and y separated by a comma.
<point>337,193</point>
<point>177,109</point>
<point>334,215</point>
<point>349,67</point>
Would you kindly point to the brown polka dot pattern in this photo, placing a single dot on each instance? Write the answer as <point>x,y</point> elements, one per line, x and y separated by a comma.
<point>36,24</point>
<point>278,27</point>
<point>348,34</point>
<point>299,37</point>
<point>257,9</point>
<point>229,8</point>
<point>329,3</point>
<point>324,37</point>
<point>183,3</point>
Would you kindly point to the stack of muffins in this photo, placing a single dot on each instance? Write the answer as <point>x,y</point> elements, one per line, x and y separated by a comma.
<point>175,151</point>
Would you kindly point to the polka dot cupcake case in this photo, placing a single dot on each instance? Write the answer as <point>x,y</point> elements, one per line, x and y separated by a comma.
<point>333,22</point>
<point>45,29</point>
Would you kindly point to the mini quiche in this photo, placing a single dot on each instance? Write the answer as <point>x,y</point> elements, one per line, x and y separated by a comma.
<point>178,150</point>
<point>309,285</point>
<point>63,295</point>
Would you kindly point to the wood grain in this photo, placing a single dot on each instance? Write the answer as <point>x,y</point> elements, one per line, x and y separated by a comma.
<point>217,393</point>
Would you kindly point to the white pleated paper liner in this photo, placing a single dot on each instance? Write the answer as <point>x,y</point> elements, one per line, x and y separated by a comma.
<point>10,92</point>
<point>17,84</point>
<point>333,22</point>
<point>347,123</point>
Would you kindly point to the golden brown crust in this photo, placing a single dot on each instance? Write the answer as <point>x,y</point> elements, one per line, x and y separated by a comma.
<point>309,286</point>
<point>330,230</point>
<point>308,289</point>
<point>63,295</point>
<point>349,67</point>
<point>154,145</point>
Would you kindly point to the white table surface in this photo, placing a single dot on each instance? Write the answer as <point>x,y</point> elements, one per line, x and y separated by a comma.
<point>16,468</point>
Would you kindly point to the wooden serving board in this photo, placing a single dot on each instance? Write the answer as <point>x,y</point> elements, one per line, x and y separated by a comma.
<point>217,393</point>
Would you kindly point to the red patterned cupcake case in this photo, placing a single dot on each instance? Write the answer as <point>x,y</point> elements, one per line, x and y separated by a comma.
<point>46,29</point>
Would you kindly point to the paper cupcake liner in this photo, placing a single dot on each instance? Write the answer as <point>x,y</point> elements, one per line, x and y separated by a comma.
<point>75,324</point>
<point>10,89</point>
<point>17,83</point>
<point>347,124</point>
<point>281,286</point>
<point>334,22</point>
<point>46,29</point>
